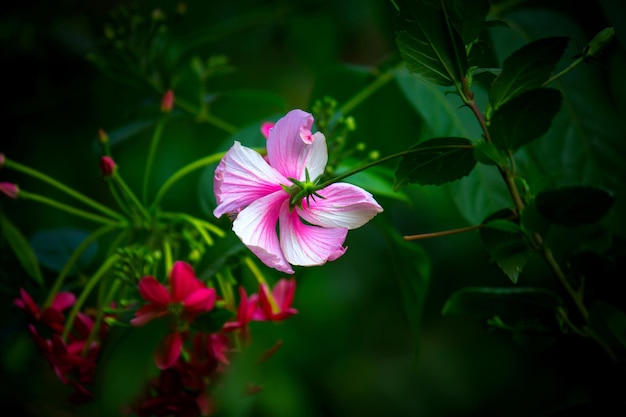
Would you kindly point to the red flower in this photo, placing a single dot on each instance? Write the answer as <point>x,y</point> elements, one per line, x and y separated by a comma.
<point>51,316</point>
<point>186,298</point>
<point>245,311</point>
<point>167,102</point>
<point>9,189</point>
<point>280,307</point>
<point>107,166</point>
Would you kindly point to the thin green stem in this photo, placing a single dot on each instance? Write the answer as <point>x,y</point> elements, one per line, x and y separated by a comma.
<point>380,161</point>
<point>91,284</point>
<point>72,210</point>
<point>73,259</point>
<point>368,90</point>
<point>187,169</point>
<point>62,187</point>
<point>131,196</point>
<point>564,71</point>
<point>98,321</point>
<point>197,223</point>
<point>206,117</point>
<point>154,143</point>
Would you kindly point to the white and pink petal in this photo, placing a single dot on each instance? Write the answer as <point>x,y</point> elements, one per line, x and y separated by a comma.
<point>256,227</point>
<point>342,205</point>
<point>242,177</point>
<point>306,245</point>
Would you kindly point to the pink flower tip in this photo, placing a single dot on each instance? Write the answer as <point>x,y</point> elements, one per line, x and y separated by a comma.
<point>2,159</point>
<point>107,166</point>
<point>265,128</point>
<point>9,189</point>
<point>167,102</point>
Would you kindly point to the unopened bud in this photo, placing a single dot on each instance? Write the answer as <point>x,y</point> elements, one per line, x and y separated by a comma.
<point>103,137</point>
<point>350,123</point>
<point>9,189</point>
<point>374,155</point>
<point>265,128</point>
<point>2,159</point>
<point>360,146</point>
<point>157,14</point>
<point>107,166</point>
<point>599,42</point>
<point>167,102</point>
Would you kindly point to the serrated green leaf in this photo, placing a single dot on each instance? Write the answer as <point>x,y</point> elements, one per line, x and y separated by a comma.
<point>510,303</point>
<point>21,248</point>
<point>506,243</point>
<point>54,247</point>
<point>527,68</point>
<point>487,153</point>
<point>468,17</point>
<point>574,205</point>
<point>430,46</point>
<point>435,162</point>
<point>524,118</point>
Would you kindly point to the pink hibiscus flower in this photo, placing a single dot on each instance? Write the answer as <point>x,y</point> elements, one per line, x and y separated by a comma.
<point>311,230</point>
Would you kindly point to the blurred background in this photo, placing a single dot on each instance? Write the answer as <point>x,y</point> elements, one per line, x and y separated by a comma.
<point>355,348</point>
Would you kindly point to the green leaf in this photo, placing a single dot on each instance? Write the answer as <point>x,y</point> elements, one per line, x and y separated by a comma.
<point>20,247</point>
<point>432,49</point>
<point>527,68</point>
<point>212,321</point>
<point>126,365</point>
<point>574,205</point>
<point>435,162</point>
<point>468,17</point>
<point>55,247</point>
<point>609,323</point>
<point>509,303</point>
<point>506,243</point>
<point>524,118</point>
<point>412,269</point>
<point>487,153</point>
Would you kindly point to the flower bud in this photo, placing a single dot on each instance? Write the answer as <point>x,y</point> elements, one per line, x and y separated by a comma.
<point>167,102</point>
<point>107,166</point>
<point>2,159</point>
<point>599,42</point>
<point>103,137</point>
<point>265,128</point>
<point>9,189</point>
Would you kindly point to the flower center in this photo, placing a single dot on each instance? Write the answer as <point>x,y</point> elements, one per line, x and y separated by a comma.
<point>176,309</point>
<point>300,190</point>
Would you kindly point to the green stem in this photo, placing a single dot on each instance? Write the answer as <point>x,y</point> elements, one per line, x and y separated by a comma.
<point>73,210</point>
<point>564,71</point>
<point>187,169</point>
<point>71,192</point>
<point>86,291</point>
<point>131,196</point>
<point>380,161</point>
<point>98,321</point>
<point>154,143</point>
<point>206,117</point>
<point>370,89</point>
<point>73,259</point>
<point>197,223</point>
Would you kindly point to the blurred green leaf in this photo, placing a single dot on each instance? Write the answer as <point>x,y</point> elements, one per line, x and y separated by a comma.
<point>20,247</point>
<point>431,47</point>
<point>574,205</point>
<point>506,243</point>
<point>609,323</point>
<point>510,303</point>
<point>412,268</point>
<point>524,118</point>
<point>126,364</point>
<point>527,68</point>
<point>212,321</point>
<point>435,162</point>
<point>54,247</point>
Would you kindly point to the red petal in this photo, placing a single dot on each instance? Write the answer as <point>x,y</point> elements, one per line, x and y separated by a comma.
<point>183,281</point>
<point>63,300</point>
<point>168,352</point>
<point>153,291</point>
<point>200,301</point>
